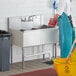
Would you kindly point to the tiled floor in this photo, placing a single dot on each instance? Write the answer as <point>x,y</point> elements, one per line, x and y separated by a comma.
<point>28,66</point>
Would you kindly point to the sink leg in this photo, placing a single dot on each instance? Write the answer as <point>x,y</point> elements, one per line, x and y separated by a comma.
<point>33,50</point>
<point>42,51</point>
<point>22,57</point>
<point>43,56</point>
<point>55,50</point>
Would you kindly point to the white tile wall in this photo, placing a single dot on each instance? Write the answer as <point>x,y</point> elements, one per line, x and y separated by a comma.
<point>23,7</point>
<point>3,23</point>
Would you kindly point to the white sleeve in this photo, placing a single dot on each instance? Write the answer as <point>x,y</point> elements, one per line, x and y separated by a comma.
<point>61,6</point>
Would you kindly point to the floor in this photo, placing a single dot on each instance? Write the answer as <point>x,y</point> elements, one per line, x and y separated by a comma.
<point>28,66</point>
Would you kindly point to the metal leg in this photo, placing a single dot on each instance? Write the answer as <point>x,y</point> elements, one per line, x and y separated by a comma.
<point>43,54</point>
<point>38,51</point>
<point>49,55</point>
<point>22,57</point>
<point>55,50</point>
<point>33,49</point>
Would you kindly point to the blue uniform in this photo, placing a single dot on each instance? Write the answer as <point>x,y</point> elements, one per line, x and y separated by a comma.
<point>65,35</point>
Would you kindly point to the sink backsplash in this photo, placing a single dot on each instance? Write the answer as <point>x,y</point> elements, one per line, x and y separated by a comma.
<point>26,22</point>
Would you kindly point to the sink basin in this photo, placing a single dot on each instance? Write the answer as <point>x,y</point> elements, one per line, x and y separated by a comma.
<point>41,27</point>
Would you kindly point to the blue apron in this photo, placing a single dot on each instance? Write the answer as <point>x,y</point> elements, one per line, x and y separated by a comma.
<point>65,35</point>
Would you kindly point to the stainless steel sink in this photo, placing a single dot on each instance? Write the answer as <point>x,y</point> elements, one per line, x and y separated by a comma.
<point>32,33</point>
<point>35,37</point>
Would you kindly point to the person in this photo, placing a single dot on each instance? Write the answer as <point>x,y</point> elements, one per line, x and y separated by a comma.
<point>64,6</point>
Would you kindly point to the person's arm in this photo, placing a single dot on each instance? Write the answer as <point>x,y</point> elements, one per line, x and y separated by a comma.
<point>55,18</point>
